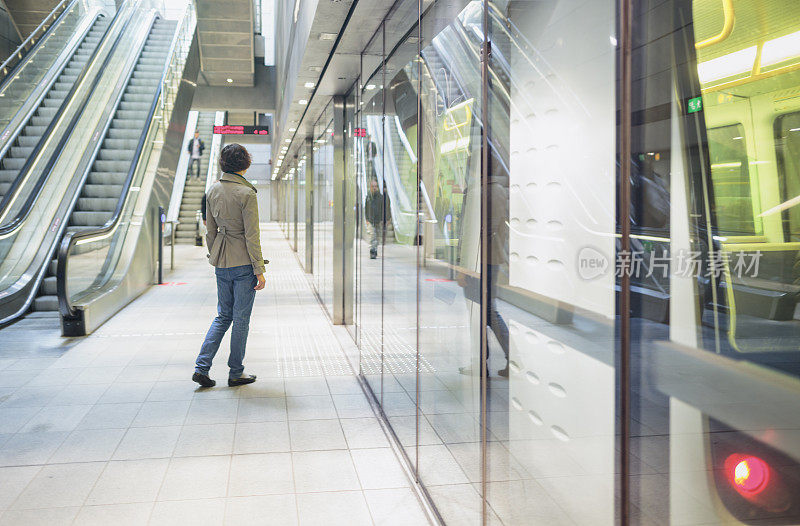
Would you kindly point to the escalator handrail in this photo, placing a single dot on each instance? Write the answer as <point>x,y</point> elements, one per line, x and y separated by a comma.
<point>26,208</point>
<point>65,306</point>
<point>21,53</point>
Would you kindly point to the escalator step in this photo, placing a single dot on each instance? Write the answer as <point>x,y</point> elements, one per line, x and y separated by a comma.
<point>81,218</point>
<point>45,303</point>
<point>101,190</point>
<point>96,204</point>
<point>109,154</point>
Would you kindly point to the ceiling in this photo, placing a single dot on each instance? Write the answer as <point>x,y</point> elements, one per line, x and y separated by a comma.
<point>225,35</point>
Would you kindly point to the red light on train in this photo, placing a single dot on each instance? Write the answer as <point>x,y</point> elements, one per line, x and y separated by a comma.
<point>747,474</point>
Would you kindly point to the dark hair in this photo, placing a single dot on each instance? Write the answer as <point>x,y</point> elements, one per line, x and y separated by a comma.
<point>234,158</point>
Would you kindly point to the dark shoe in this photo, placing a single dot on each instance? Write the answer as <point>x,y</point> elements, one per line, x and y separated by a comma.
<point>242,380</point>
<point>203,380</point>
<point>373,254</point>
<point>503,372</point>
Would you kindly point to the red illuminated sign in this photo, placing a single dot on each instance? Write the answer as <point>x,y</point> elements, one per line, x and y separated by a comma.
<point>360,132</point>
<point>241,130</point>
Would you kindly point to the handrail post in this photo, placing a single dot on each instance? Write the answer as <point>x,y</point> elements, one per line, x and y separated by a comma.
<point>161,218</point>
<point>172,245</point>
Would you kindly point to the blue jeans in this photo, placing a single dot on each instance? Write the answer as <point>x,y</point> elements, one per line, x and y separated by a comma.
<point>235,295</point>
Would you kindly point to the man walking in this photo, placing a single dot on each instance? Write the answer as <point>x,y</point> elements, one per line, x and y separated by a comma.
<point>375,216</point>
<point>195,150</point>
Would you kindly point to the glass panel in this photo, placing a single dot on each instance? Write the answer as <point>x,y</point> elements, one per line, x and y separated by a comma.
<point>323,213</point>
<point>371,201</point>
<point>551,226</point>
<point>301,211</point>
<point>397,135</point>
<point>715,385</point>
<point>450,274</point>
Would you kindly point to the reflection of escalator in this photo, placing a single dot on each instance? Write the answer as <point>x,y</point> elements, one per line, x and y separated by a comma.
<point>105,184</point>
<point>29,139</point>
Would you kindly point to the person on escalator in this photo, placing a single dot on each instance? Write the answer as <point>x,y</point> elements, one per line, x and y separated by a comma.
<point>375,216</point>
<point>234,246</point>
<point>195,150</point>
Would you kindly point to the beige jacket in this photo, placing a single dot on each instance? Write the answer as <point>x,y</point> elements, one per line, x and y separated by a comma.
<point>232,219</point>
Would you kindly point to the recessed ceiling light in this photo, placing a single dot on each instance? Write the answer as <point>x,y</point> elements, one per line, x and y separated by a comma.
<point>302,102</point>
<point>327,36</point>
<point>292,129</point>
<point>309,84</point>
<point>288,140</point>
<point>315,69</point>
<point>229,80</point>
<point>370,86</point>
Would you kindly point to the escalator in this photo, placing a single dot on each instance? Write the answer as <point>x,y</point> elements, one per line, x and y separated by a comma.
<point>105,184</point>
<point>195,187</point>
<point>82,176</point>
<point>29,139</point>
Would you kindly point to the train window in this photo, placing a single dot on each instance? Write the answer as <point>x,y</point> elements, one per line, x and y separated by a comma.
<point>731,179</point>
<point>787,141</point>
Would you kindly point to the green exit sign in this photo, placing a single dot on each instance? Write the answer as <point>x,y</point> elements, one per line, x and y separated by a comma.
<point>695,105</point>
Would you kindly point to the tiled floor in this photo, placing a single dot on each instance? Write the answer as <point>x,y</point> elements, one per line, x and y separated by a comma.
<point>109,429</point>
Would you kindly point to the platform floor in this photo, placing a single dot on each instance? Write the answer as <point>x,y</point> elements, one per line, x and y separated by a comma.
<point>109,429</point>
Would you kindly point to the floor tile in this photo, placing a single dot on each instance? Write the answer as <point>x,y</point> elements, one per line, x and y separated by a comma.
<point>55,418</point>
<point>117,514</point>
<point>59,485</point>
<point>97,375</point>
<point>212,411</point>
<point>118,393</point>
<point>264,388</point>
<point>30,448</point>
<point>378,469</point>
<point>103,416</point>
<point>13,480</point>
<point>281,510</point>
<point>363,433</point>
<point>206,512</point>
<point>202,440</point>
<point>13,418</point>
<point>324,471</point>
<point>147,442</point>
<point>308,435</point>
<point>310,407</point>
<point>39,517</point>
<point>395,507</point>
<point>174,390</point>
<point>307,386</point>
<point>345,508</point>
<point>261,437</point>
<point>352,406</point>
<point>126,481</point>
<point>196,477</point>
<point>261,474</point>
<point>261,410</point>
<point>88,445</point>
<point>172,413</point>
<point>87,394</point>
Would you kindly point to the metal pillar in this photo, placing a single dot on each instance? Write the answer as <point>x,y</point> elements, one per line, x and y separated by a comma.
<point>343,221</point>
<point>309,197</point>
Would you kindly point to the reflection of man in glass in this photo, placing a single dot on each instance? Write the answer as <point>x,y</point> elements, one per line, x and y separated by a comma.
<point>498,265</point>
<point>374,215</point>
